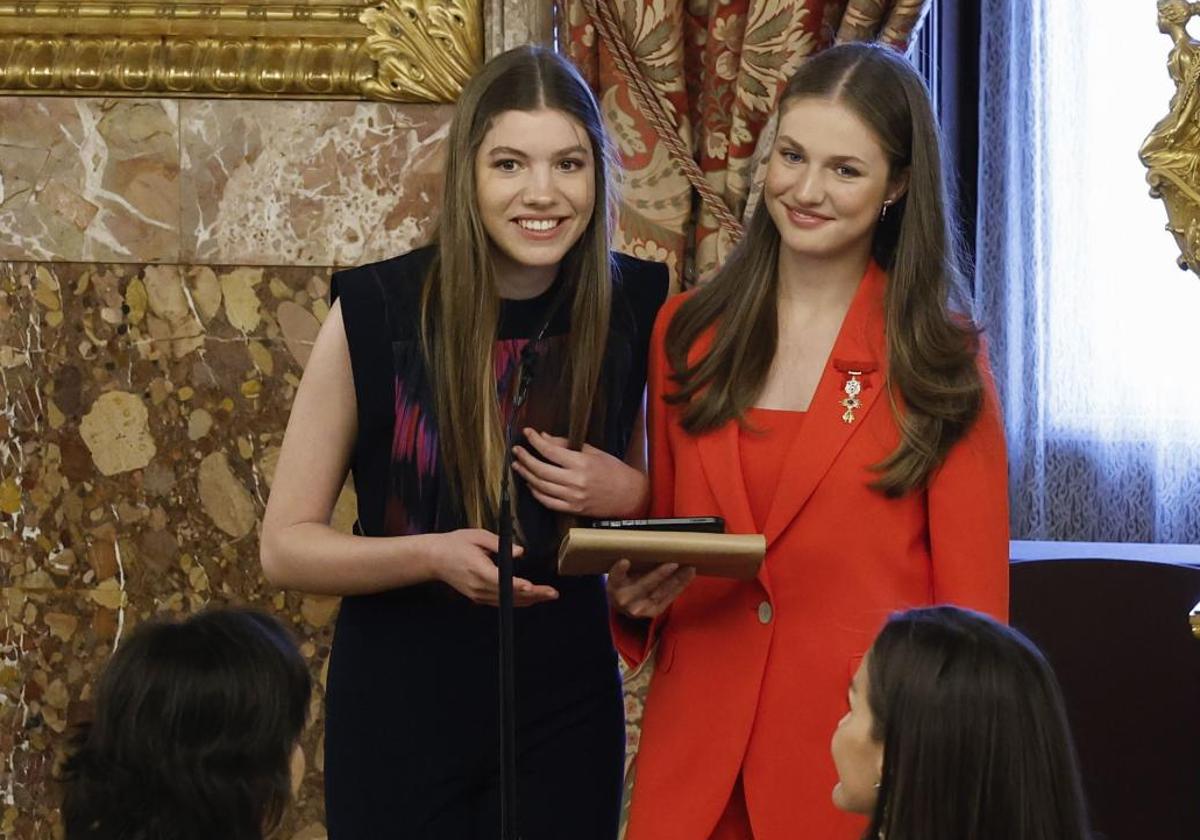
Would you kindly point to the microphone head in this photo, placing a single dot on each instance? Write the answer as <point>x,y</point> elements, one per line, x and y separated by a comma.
<point>529,351</point>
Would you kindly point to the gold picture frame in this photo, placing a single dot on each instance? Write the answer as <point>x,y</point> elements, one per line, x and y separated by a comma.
<point>393,50</point>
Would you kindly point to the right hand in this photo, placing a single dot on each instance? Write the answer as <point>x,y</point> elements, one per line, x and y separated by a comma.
<point>646,595</point>
<point>463,560</point>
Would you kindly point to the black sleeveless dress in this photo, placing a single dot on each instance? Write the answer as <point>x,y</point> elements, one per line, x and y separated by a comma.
<point>411,738</point>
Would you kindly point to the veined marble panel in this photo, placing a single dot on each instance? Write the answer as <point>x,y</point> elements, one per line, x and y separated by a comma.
<point>216,182</point>
<point>89,179</point>
<point>307,183</point>
<point>142,408</point>
<point>141,412</point>
<point>52,648</point>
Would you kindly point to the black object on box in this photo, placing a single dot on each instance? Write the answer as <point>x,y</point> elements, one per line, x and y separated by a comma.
<point>696,524</point>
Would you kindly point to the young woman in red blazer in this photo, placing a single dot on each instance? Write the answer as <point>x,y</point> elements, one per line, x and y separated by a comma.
<point>821,391</point>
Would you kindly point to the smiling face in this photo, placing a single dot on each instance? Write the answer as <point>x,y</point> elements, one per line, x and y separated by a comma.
<point>827,179</point>
<point>856,754</point>
<point>536,188</point>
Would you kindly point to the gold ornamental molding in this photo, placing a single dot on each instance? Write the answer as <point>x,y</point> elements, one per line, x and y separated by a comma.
<point>395,50</point>
<point>1171,153</point>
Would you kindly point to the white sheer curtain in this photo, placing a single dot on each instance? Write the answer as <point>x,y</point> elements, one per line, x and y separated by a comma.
<point>1094,333</point>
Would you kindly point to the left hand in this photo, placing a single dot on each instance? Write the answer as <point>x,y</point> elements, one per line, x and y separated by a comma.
<point>588,482</point>
<point>646,595</point>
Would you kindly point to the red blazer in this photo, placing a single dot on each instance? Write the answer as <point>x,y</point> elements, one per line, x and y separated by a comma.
<point>752,676</point>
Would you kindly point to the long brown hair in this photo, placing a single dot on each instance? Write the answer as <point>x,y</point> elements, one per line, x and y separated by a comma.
<point>935,387</point>
<point>460,306</point>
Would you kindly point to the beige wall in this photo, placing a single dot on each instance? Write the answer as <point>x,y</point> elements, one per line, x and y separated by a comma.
<point>164,266</point>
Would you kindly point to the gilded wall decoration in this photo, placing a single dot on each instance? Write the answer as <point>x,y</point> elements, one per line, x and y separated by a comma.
<point>393,50</point>
<point>1172,151</point>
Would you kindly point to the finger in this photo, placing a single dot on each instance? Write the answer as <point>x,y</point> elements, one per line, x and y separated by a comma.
<point>484,595</point>
<point>555,449</point>
<point>486,540</point>
<point>521,584</point>
<point>645,608</point>
<point>671,588</point>
<point>543,475</point>
<point>535,595</point>
<point>638,589</point>
<point>519,601</point>
<point>552,503</point>
<point>641,588</point>
<point>648,581</point>
<point>487,590</point>
<point>556,440</point>
<point>549,472</point>
<point>489,541</point>
<point>565,495</point>
<point>619,573</point>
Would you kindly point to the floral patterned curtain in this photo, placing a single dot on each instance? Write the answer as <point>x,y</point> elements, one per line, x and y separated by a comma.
<point>687,87</point>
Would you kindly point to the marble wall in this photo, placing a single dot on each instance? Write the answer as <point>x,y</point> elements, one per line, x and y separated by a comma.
<point>164,268</point>
<point>215,182</point>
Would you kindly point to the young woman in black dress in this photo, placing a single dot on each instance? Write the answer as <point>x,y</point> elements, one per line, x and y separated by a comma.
<point>410,386</point>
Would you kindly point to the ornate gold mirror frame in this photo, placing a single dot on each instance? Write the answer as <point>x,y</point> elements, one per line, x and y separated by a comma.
<point>1172,151</point>
<point>398,50</point>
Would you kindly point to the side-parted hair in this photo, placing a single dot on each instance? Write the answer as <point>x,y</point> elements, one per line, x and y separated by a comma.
<point>976,744</point>
<point>192,733</point>
<point>935,387</point>
<point>460,306</point>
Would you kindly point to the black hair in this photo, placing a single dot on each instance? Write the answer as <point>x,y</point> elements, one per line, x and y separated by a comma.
<point>192,734</point>
<point>976,744</point>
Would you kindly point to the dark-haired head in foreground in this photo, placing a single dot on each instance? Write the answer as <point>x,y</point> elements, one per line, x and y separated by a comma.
<point>957,731</point>
<point>194,726</point>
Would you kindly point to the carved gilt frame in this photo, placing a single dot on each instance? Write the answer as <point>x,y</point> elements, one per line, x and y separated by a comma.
<point>1171,152</point>
<point>396,50</point>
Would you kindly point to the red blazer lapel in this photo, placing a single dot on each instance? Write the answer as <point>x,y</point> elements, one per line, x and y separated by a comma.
<point>721,459</point>
<point>860,346</point>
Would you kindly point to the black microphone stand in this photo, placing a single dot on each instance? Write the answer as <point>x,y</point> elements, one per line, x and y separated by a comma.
<point>508,723</point>
<point>504,560</point>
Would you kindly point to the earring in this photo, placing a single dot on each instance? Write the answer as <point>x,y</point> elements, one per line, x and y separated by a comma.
<point>883,212</point>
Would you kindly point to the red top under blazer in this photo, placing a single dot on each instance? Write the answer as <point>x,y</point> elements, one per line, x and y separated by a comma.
<point>752,676</point>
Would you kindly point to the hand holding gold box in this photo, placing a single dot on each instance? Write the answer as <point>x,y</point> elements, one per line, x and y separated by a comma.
<point>593,551</point>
